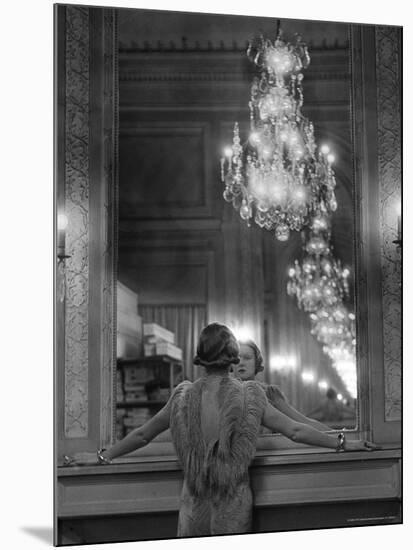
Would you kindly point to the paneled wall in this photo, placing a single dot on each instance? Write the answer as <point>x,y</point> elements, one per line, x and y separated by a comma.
<point>179,242</point>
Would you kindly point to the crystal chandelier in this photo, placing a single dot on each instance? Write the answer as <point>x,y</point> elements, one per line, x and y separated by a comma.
<point>319,281</point>
<point>320,285</point>
<point>278,177</point>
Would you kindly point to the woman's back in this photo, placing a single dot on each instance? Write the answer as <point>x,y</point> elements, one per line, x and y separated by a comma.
<point>214,424</point>
<point>210,410</point>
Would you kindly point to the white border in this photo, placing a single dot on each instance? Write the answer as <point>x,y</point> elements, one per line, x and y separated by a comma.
<point>26,268</point>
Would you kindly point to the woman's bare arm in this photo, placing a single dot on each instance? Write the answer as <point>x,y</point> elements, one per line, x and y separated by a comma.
<point>139,437</point>
<point>279,402</point>
<point>302,433</point>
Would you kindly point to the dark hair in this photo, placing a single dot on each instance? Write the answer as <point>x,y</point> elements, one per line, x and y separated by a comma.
<point>259,361</point>
<point>217,347</point>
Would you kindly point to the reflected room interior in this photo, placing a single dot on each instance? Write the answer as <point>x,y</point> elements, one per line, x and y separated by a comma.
<point>185,256</point>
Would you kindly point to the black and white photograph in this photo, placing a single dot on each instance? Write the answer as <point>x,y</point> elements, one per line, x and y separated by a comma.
<point>228,252</point>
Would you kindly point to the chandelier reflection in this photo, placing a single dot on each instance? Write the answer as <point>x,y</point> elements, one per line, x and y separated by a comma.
<point>320,285</point>
<point>278,177</point>
<point>319,281</point>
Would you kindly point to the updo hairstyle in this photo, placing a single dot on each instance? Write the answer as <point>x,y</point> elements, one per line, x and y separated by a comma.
<point>217,347</point>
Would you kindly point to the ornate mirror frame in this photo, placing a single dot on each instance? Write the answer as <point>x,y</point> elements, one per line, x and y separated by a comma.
<point>86,134</point>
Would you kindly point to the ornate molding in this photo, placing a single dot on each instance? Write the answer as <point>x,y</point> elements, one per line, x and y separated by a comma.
<point>389,161</point>
<point>208,46</point>
<point>139,76</point>
<point>360,267</point>
<point>109,225</point>
<point>77,210</point>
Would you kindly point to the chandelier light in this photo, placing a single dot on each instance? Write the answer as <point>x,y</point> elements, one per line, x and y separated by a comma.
<point>278,178</point>
<point>319,282</point>
<point>320,285</point>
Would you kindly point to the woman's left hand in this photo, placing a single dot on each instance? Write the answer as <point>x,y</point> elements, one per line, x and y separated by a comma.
<point>81,459</point>
<point>357,445</point>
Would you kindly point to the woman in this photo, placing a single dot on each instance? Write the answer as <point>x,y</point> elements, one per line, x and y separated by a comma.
<point>215,422</point>
<point>250,364</point>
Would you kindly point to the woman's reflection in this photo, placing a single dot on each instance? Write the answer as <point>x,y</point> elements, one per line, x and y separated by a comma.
<point>251,363</point>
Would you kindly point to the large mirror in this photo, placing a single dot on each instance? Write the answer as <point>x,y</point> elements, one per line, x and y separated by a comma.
<point>185,255</point>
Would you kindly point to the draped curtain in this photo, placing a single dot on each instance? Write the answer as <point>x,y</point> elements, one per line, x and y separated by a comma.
<point>291,336</point>
<point>186,321</point>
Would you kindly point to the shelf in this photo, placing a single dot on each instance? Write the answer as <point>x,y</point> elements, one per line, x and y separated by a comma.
<point>140,403</point>
<point>157,359</point>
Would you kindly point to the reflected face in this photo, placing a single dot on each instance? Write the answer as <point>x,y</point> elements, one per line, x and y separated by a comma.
<point>245,370</point>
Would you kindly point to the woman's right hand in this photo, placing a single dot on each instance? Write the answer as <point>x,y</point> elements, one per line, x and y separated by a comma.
<point>81,459</point>
<point>360,445</point>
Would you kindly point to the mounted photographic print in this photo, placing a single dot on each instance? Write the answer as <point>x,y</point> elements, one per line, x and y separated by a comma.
<point>228,274</point>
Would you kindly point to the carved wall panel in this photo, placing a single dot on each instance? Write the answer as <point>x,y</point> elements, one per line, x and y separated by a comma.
<point>389,158</point>
<point>162,167</point>
<point>77,210</point>
<point>86,190</point>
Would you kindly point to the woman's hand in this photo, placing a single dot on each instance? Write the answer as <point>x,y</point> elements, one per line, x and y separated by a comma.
<point>81,459</point>
<point>360,445</point>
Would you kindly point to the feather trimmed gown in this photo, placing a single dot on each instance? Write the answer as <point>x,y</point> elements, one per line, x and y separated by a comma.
<point>216,496</point>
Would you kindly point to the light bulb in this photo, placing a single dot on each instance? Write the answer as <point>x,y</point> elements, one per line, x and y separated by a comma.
<point>307,376</point>
<point>254,137</point>
<point>331,158</point>
<point>325,149</point>
<point>62,222</point>
<point>228,152</point>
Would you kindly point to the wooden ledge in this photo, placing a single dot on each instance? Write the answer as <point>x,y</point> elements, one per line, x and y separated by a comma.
<point>282,457</point>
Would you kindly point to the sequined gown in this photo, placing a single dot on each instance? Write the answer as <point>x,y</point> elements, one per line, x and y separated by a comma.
<point>216,496</point>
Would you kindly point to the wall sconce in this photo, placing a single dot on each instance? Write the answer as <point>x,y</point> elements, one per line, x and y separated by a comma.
<point>399,241</point>
<point>283,362</point>
<point>61,237</point>
<point>308,377</point>
<point>61,256</point>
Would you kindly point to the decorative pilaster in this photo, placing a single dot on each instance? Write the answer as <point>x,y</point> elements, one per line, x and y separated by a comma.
<point>77,211</point>
<point>389,161</point>
<point>110,213</point>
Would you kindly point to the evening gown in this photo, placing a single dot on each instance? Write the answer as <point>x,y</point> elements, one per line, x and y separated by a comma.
<point>216,496</point>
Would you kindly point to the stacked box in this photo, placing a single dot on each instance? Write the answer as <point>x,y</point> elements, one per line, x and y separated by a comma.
<point>127,299</point>
<point>134,374</point>
<point>160,341</point>
<point>135,379</point>
<point>165,348</point>
<point>119,385</point>
<point>129,323</point>
<point>154,333</point>
<point>135,393</point>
